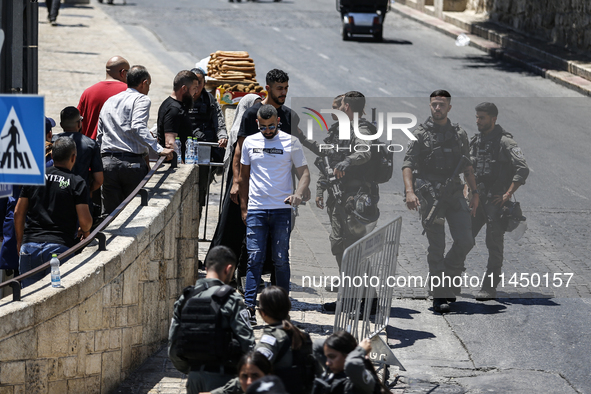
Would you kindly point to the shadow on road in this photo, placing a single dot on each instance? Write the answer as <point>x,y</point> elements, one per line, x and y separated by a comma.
<point>475,308</point>
<point>403,313</point>
<point>406,338</point>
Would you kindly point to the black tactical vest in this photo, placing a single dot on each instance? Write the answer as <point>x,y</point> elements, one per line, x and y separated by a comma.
<point>445,149</point>
<point>202,338</point>
<point>201,119</point>
<point>486,163</point>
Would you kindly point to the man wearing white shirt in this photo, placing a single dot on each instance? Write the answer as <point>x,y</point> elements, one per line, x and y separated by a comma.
<point>125,139</point>
<point>265,187</point>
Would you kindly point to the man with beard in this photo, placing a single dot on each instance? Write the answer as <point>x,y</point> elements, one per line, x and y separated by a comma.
<point>173,114</point>
<point>500,169</point>
<point>207,125</point>
<point>265,188</point>
<point>230,230</point>
<point>430,160</point>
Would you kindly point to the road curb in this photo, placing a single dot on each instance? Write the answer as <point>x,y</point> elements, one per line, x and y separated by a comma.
<point>532,59</point>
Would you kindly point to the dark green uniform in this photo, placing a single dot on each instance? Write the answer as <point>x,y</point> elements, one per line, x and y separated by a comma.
<point>275,344</point>
<point>498,161</point>
<point>433,158</point>
<point>232,387</point>
<point>354,379</point>
<point>235,317</point>
<point>354,181</point>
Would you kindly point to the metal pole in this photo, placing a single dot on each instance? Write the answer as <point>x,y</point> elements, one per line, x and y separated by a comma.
<point>31,63</point>
<point>206,205</point>
<point>17,46</point>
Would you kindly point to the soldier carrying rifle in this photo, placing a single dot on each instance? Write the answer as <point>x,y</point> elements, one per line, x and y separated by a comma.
<point>431,179</point>
<point>352,194</point>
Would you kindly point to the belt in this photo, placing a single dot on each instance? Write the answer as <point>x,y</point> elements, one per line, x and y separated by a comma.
<point>121,154</point>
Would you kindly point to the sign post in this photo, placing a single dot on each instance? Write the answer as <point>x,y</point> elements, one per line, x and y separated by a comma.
<point>22,140</point>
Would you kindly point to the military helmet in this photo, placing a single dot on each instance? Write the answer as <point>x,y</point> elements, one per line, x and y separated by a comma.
<point>512,216</point>
<point>363,214</point>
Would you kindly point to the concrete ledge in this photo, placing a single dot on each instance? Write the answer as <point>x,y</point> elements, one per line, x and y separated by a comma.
<point>504,44</point>
<point>115,307</point>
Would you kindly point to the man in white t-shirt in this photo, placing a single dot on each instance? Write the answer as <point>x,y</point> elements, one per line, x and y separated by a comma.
<point>265,192</point>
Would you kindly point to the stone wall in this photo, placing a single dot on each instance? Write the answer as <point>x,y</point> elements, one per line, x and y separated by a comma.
<point>115,306</point>
<point>565,23</point>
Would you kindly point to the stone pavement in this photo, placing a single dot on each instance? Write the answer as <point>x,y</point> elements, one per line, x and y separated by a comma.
<point>72,57</point>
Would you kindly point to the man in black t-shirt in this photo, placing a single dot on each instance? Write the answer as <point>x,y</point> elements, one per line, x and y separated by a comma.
<point>53,212</point>
<point>207,125</point>
<point>277,86</point>
<point>173,120</point>
<point>89,164</point>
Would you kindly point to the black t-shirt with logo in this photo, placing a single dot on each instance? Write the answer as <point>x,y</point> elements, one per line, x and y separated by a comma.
<point>52,216</point>
<point>249,126</point>
<point>173,118</point>
<point>88,158</point>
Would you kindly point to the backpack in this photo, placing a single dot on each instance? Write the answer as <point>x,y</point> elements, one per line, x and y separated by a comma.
<point>201,337</point>
<point>299,378</point>
<point>382,160</point>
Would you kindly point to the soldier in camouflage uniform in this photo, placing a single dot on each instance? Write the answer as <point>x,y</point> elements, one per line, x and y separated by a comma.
<point>220,263</point>
<point>500,168</point>
<point>431,160</point>
<point>351,169</point>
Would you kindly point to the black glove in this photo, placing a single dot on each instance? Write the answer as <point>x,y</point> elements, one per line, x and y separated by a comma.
<point>343,165</point>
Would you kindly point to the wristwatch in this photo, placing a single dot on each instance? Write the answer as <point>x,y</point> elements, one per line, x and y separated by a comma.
<point>474,191</point>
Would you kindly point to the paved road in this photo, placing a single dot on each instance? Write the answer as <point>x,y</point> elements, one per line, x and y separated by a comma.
<point>535,339</point>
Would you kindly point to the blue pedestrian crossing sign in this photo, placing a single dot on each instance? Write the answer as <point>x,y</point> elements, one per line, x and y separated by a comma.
<point>22,140</point>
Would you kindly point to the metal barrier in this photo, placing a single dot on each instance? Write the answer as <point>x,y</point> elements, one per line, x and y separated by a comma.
<point>366,267</point>
<point>97,233</point>
<point>204,149</point>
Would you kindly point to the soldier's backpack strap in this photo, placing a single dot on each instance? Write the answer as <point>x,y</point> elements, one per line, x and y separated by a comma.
<point>221,295</point>
<point>190,291</point>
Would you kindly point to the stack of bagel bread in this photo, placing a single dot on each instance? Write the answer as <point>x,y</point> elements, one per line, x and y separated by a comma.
<point>232,66</point>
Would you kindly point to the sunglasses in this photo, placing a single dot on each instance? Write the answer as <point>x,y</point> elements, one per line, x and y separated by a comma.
<point>271,127</point>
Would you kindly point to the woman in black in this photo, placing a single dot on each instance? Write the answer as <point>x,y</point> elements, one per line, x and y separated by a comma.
<point>348,370</point>
<point>251,367</point>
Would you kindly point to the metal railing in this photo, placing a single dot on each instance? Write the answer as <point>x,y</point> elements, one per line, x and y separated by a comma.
<point>97,233</point>
<point>371,261</point>
<point>204,149</point>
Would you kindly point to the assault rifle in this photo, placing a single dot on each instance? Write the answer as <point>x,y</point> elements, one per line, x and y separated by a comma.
<point>332,184</point>
<point>444,191</point>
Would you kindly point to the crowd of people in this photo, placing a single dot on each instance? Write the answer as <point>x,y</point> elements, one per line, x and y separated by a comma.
<point>212,341</point>
<point>112,146</point>
<point>103,154</point>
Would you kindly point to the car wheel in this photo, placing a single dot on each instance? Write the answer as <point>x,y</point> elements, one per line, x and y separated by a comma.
<point>345,34</point>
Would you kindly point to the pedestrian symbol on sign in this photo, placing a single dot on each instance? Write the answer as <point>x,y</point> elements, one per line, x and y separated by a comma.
<point>15,153</point>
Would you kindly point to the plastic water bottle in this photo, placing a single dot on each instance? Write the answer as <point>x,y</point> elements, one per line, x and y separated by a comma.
<point>56,280</point>
<point>189,151</point>
<point>177,149</point>
<point>195,151</point>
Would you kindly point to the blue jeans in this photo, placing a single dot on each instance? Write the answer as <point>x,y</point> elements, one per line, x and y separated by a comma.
<point>33,254</point>
<point>259,225</point>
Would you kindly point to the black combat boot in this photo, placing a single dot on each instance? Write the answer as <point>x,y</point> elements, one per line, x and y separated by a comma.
<point>440,305</point>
